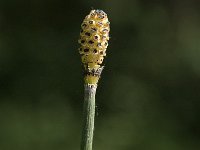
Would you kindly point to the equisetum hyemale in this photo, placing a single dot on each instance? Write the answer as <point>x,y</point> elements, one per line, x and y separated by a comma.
<point>94,36</point>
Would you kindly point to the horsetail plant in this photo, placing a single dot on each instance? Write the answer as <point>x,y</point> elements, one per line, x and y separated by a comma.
<point>94,36</point>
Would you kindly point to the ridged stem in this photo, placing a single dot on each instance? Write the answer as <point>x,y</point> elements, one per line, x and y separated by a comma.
<point>89,116</point>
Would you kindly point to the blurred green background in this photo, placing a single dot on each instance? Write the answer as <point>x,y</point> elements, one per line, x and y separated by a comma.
<point>148,96</point>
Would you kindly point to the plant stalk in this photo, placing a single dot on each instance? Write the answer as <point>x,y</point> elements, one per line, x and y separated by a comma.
<point>89,115</point>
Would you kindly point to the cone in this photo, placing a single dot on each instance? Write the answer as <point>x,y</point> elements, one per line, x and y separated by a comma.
<point>94,36</point>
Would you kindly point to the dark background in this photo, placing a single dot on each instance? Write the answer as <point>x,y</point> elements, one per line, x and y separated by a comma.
<point>148,96</point>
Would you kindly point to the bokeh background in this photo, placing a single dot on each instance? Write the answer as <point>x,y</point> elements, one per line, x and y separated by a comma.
<point>148,96</point>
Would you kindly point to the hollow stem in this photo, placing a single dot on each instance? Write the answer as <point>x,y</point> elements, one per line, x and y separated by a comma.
<point>89,115</point>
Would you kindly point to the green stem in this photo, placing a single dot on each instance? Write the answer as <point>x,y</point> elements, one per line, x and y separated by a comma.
<point>89,115</point>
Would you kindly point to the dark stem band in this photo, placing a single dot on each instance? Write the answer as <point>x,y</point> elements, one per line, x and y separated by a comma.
<point>93,72</point>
